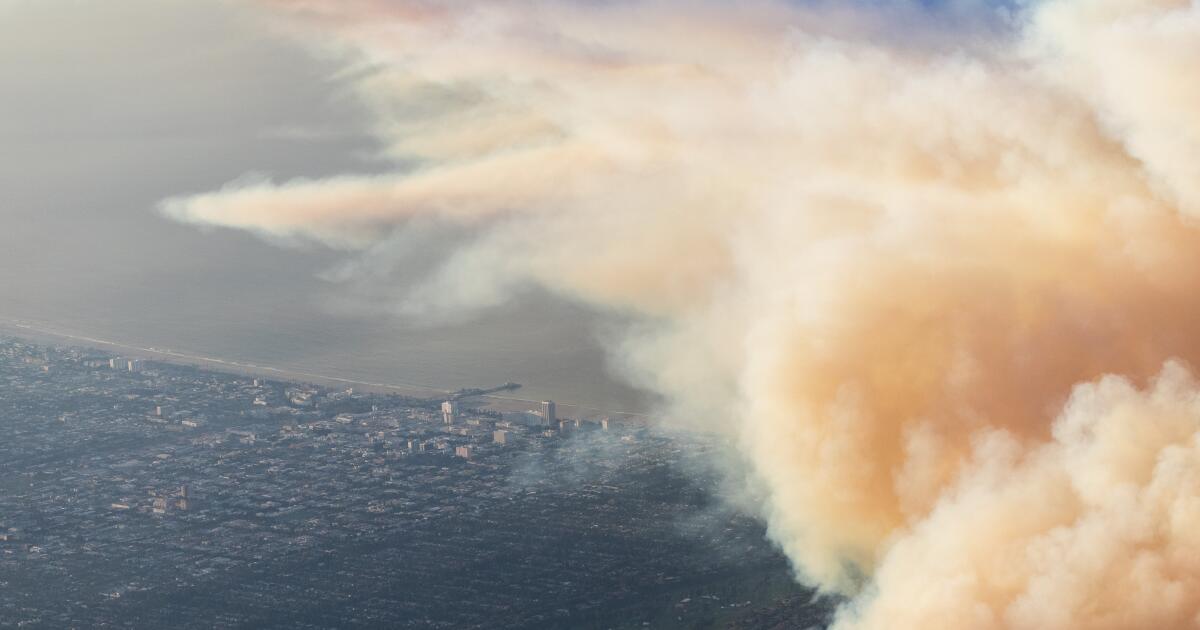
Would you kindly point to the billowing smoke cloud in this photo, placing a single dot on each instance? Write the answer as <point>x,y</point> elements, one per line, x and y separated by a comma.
<point>932,287</point>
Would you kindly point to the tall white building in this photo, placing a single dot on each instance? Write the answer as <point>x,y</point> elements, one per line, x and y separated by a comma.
<point>549,416</point>
<point>449,412</point>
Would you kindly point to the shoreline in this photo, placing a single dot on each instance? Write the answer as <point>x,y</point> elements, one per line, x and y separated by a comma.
<point>35,331</point>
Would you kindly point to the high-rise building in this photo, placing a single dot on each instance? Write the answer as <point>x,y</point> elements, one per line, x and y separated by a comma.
<point>500,436</point>
<point>549,417</point>
<point>463,452</point>
<point>449,412</point>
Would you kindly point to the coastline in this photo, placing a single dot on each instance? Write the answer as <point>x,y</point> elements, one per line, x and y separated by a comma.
<point>40,331</point>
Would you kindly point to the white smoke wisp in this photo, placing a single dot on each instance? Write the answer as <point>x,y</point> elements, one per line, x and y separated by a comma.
<point>896,276</point>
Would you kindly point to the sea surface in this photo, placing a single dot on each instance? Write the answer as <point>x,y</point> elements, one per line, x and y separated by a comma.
<point>99,126</point>
<point>551,349</point>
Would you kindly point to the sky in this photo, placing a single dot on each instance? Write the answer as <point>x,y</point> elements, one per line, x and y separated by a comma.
<point>932,273</point>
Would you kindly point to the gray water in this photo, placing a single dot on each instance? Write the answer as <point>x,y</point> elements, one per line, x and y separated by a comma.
<point>550,350</point>
<point>100,119</point>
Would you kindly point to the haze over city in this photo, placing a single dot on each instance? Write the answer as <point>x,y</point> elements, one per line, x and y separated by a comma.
<point>846,315</point>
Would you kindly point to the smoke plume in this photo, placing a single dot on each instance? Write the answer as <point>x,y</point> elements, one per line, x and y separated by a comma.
<point>939,289</point>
